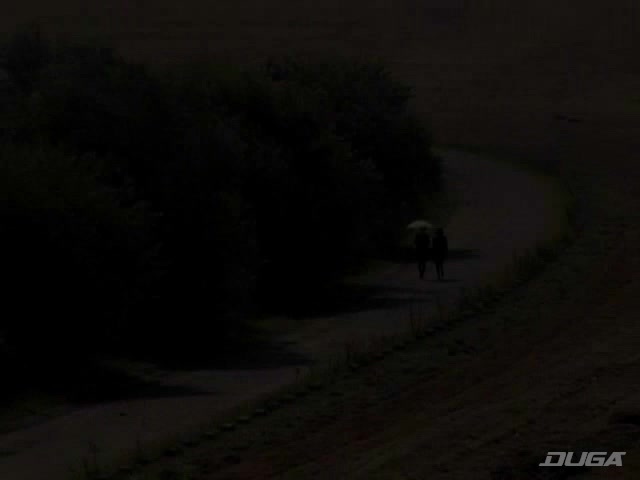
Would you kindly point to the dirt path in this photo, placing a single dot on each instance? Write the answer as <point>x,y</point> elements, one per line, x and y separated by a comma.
<point>503,210</point>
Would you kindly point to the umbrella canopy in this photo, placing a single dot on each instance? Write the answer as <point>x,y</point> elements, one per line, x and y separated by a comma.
<point>419,225</point>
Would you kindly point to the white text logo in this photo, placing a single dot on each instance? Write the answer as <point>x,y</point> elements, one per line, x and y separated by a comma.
<point>588,459</point>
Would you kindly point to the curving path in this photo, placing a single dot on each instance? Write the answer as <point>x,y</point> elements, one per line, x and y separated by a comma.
<point>503,210</point>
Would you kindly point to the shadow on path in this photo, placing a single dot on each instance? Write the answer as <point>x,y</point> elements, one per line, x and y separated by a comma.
<point>90,385</point>
<point>407,255</point>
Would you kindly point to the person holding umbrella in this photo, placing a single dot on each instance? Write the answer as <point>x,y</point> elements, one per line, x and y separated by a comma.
<point>422,243</point>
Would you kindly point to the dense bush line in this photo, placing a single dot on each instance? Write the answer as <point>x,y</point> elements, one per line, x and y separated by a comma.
<point>148,206</point>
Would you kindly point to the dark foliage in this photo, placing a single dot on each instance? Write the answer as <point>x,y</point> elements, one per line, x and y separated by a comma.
<point>141,210</point>
<point>75,260</point>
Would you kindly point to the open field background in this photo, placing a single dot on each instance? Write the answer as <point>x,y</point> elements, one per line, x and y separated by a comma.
<point>496,73</point>
<point>556,83</point>
<point>493,73</point>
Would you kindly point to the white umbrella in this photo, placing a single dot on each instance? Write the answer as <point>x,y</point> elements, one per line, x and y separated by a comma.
<point>419,224</point>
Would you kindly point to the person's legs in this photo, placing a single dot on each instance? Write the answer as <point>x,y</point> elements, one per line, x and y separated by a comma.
<point>421,267</point>
<point>439,269</point>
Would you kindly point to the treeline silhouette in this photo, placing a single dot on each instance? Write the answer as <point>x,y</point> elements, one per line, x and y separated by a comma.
<point>141,208</point>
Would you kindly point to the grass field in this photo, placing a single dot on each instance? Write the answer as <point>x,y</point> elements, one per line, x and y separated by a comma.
<point>485,72</point>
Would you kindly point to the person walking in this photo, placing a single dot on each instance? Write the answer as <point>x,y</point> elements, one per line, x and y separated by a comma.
<point>440,249</point>
<point>422,242</point>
